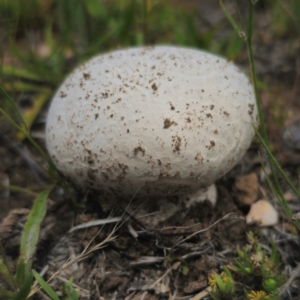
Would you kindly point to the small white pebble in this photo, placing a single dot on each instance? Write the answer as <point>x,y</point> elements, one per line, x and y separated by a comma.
<point>263,213</point>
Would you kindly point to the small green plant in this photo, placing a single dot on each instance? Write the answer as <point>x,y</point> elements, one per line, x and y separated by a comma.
<point>68,292</point>
<point>252,261</point>
<point>222,285</point>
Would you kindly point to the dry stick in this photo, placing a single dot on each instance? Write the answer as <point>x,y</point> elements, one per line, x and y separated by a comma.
<point>293,275</point>
<point>90,242</point>
<point>202,294</point>
<point>162,277</point>
<point>144,295</point>
<point>95,223</point>
<point>147,260</point>
<point>228,216</point>
<point>180,227</point>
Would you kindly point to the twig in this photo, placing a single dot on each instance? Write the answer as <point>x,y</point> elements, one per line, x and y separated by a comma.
<point>202,294</point>
<point>162,277</point>
<point>228,216</point>
<point>147,260</point>
<point>293,275</point>
<point>95,223</point>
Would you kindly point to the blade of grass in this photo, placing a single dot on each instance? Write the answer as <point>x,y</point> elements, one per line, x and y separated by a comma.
<point>6,277</point>
<point>21,73</point>
<point>277,165</point>
<point>281,200</point>
<point>5,294</point>
<point>17,189</point>
<point>47,288</point>
<point>5,272</point>
<point>257,95</point>
<point>26,134</point>
<point>103,38</point>
<point>274,190</point>
<point>253,70</point>
<point>30,235</point>
<point>15,106</point>
<point>68,292</point>
<point>32,62</point>
<point>30,115</point>
<point>25,288</point>
<point>230,19</point>
<point>19,86</point>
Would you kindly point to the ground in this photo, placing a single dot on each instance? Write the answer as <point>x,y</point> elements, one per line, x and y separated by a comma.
<point>138,258</point>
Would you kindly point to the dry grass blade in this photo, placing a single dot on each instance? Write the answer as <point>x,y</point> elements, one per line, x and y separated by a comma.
<point>95,223</point>
<point>293,275</point>
<point>147,260</point>
<point>202,294</point>
<point>163,276</point>
<point>226,217</point>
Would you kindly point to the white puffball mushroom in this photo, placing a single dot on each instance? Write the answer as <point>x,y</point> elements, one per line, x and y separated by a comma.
<point>263,213</point>
<point>159,120</point>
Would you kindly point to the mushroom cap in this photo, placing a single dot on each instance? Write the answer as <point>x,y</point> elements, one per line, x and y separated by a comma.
<point>155,120</point>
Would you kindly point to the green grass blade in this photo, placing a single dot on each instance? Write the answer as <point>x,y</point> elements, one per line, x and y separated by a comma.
<point>19,86</point>
<point>20,275</point>
<point>17,189</point>
<point>20,73</point>
<point>68,292</point>
<point>264,138</point>
<point>6,277</point>
<point>276,164</point>
<point>15,106</point>
<point>26,134</point>
<point>5,294</point>
<point>30,235</point>
<point>25,288</point>
<point>281,200</point>
<point>274,258</point>
<point>103,38</point>
<point>277,195</point>
<point>33,63</point>
<point>47,288</point>
<point>253,71</point>
<point>5,272</point>
<point>220,283</point>
<point>31,114</point>
<point>230,19</point>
